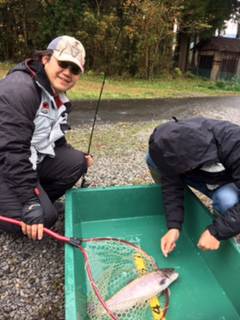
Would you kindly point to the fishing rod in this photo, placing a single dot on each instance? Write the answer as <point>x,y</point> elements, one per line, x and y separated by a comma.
<point>83,183</point>
<point>96,112</point>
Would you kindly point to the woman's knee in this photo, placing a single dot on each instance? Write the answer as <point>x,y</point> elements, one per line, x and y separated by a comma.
<point>225,198</point>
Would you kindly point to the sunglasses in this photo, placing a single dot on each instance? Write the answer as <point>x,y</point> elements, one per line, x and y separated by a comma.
<point>74,69</point>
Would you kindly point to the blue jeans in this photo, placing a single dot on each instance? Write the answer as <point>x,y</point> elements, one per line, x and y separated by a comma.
<point>224,198</point>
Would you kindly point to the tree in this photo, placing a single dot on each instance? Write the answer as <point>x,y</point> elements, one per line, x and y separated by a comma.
<point>150,33</point>
<point>200,18</point>
<point>144,29</point>
<point>30,25</point>
<point>19,20</point>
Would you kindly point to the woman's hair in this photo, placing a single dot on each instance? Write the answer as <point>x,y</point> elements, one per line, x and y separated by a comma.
<point>38,54</point>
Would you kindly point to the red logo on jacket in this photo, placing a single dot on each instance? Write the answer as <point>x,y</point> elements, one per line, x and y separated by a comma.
<point>45,107</point>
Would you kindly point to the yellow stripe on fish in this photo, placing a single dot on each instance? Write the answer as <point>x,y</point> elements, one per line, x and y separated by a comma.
<point>154,302</point>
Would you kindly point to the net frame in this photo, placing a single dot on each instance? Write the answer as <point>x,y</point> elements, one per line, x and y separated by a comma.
<point>77,242</point>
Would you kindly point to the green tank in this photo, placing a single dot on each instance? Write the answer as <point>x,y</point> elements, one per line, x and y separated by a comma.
<point>209,282</point>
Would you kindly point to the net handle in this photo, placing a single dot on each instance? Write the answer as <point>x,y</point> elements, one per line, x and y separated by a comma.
<point>50,233</point>
<point>75,243</point>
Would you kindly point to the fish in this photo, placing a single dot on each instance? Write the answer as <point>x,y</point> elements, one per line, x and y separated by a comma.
<point>141,289</point>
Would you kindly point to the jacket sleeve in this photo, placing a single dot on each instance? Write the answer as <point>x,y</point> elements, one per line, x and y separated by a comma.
<point>173,200</point>
<point>226,225</point>
<point>19,101</point>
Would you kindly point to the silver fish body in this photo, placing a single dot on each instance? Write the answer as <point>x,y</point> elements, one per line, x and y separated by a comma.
<point>141,289</point>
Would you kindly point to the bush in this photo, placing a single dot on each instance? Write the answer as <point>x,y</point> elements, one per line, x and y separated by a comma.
<point>177,72</point>
<point>228,85</point>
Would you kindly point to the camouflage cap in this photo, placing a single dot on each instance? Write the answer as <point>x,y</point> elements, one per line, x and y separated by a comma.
<point>66,48</point>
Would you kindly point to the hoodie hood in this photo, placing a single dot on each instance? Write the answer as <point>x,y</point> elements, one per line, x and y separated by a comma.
<point>178,147</point>
<point>36,70</point>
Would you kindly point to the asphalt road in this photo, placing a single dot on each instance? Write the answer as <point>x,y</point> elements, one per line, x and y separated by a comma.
<point>153,109</point>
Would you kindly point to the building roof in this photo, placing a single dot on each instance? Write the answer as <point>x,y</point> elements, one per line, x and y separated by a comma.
<point>219,44</point>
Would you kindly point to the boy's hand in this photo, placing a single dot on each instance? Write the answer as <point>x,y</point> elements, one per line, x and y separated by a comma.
<point>208,242</point>
<point>168,241</point>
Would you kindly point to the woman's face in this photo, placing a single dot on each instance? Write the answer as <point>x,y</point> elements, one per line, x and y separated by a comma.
<point>61,79</point>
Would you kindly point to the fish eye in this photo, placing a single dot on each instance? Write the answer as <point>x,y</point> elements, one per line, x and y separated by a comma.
<point>162,282</point>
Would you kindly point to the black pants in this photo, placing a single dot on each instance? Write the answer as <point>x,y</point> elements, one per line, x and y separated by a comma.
<point>56,176</point>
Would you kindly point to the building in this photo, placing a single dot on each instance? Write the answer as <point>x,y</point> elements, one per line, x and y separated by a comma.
<point>218,58</point>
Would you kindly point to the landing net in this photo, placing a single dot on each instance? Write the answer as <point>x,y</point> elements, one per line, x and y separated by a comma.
<point>114,264</point>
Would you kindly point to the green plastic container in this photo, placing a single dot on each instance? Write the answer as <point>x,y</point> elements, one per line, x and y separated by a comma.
<point>208,287</point>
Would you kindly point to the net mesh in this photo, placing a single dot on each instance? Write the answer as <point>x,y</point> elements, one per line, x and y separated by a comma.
<point>114,265</point>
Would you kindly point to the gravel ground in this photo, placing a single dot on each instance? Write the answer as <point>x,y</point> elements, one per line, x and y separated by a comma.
<point>32,273</point>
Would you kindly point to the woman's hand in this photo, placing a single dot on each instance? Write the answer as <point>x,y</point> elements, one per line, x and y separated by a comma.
<point>89,160</point>
<point>34,232</point>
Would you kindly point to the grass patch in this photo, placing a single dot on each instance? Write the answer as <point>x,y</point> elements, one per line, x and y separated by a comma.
<point>89,86</point>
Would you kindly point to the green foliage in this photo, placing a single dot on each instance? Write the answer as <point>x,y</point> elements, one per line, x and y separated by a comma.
<point>230,85</point>
<point>177,72</point>
<point>29,25</point>
<point>150,35</point>
<point>18,28</point>
<point>60,17</point>
<point>122,37</point>
<point>99,37</point>
<point>204,16</point>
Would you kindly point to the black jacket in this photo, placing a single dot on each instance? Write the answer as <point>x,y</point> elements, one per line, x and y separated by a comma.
<point>180,149</point>
<point>20,98</point>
